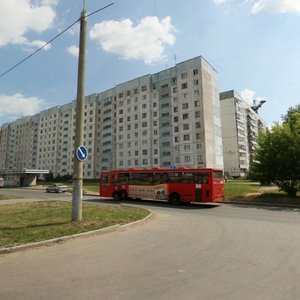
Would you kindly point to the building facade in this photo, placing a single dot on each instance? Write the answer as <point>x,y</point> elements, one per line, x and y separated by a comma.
<point>240,129</point>
<point>171,118</point>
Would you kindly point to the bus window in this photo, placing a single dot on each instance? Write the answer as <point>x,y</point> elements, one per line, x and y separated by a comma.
<point>134,178</point>
<point>105,179</point>
<point>123,178</point>
<point>114,179</point>
<point>156,178</point>
<point>174,177</point>
<point>160,178</point>
<point>146,178</point>
<point>218,174</point>
<point>201,177</point>
<point>187,177</point>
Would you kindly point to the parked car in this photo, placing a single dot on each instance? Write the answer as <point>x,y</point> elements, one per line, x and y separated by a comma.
<point>56,188</point>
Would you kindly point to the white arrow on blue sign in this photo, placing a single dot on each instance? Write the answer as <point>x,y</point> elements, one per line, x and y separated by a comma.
<point>81,153</point>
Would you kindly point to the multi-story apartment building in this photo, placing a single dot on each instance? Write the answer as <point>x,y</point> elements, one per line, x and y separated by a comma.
<point>240,128</point>
<point>171,118</point>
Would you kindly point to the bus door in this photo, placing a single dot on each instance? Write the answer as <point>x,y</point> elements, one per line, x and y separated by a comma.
<point>202,187</point>
<point>198,192</point>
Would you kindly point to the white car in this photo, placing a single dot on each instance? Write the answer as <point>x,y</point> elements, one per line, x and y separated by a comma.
<point>57,188</point>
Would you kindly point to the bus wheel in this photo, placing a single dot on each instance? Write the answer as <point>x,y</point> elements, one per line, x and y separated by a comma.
<point>123,195</point>
<point>116,196</point>
<point>174,199</point>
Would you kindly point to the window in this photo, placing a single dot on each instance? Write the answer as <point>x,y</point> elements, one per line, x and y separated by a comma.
<point>195,72</point>
<point>196,82</point>
<point>185,116</point>
<point>176,119</point>
<point>187,159</point>
<point>164,105</point>
<point>184,76</point>
<point>186,137</point>
<point>187,147</point>
<point>197,114</point>
<point>186,126</point>
<point>184,86</point>
<point>185,106</point>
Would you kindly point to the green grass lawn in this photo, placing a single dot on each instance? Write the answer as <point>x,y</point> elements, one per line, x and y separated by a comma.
<point>235,189</point>
<point>37,221</point>
<point>88,186</point>
<point>240,189</point>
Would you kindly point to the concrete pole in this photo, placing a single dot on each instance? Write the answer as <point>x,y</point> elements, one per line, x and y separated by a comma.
<point>78,165</point>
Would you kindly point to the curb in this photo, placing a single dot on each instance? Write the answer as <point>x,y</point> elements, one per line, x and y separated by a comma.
<point>261,204</point>
<point>74,236</point>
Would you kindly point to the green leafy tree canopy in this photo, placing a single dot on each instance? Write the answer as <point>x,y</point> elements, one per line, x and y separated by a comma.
<point>277,158</point>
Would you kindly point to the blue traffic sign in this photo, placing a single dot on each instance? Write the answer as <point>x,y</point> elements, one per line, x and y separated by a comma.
<point>81,153</point>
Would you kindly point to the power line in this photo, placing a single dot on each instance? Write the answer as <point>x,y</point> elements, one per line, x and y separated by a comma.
<point>50,41</point>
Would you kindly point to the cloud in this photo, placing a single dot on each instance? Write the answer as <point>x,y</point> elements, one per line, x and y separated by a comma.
<point>73,50</point>
<point>145,42</point>
<point>18,105</point>
<point>277,6</point>
<point>218,2</point>
<point>249,96</point>
<point>18,17</point>
<point>32,45</point>
<point>271,6</point>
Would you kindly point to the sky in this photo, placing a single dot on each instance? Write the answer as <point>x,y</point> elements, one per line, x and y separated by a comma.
<point>253,44</point>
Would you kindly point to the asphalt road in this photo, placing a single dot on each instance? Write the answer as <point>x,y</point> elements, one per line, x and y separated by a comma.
<point>184,252</point>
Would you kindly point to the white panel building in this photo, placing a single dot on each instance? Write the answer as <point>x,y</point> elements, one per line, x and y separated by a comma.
<point>171,118</point>
<point>240,128</point>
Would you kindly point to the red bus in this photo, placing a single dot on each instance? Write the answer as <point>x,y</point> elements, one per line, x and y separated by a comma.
<point>173,185</point>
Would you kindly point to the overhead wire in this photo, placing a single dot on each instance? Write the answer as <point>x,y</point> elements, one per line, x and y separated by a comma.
<point>51,40</point>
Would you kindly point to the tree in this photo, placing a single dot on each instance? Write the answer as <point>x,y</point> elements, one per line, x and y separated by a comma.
<point>290,111</point>
<point>277,158</point>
